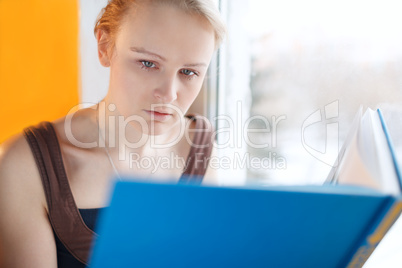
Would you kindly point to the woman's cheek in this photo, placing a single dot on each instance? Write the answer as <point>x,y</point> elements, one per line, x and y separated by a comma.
<point>190,94</point>
<point>130,79</point>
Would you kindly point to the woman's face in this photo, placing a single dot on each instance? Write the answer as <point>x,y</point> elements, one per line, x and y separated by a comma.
<point>161,57</point>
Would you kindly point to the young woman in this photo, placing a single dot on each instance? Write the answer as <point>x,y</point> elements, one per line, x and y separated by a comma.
<point>54,177</point>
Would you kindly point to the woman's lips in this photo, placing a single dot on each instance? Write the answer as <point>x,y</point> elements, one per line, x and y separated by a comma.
<point>158,116</point>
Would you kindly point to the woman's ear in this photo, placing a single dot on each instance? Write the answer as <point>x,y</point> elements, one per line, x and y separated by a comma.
<point>103,40</point>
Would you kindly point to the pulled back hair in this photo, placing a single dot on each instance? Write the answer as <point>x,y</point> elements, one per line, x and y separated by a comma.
<point>111,16</point>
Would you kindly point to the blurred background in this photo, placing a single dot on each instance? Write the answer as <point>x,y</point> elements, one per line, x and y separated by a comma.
<point>292,58</point>
<point>39,67</point>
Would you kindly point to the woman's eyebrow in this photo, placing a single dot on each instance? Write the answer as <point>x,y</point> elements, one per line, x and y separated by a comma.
<point>144,51</point>
<point>196,65</point>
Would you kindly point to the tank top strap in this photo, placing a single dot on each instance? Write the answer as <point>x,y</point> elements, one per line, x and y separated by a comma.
<point>200,152</point>
<point>64,216</point>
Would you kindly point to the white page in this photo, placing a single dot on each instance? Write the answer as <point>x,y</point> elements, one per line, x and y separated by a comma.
<point>365,158</point>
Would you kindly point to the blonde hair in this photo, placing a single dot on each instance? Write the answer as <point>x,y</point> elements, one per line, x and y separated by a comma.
<point>110,17</point>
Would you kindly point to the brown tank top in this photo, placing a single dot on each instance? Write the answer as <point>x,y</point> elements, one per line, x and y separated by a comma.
<point>64,215</point>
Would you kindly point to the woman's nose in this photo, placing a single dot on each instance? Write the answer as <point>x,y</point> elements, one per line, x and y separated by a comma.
<point>167,91</point>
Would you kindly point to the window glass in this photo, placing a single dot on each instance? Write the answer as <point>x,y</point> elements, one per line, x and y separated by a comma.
<point>301,69</point>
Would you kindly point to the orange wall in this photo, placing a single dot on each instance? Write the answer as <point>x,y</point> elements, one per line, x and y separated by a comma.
<point>38,62</point>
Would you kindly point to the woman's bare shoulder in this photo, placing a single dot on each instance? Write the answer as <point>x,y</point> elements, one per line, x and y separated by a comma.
<point>24,242</point>
<point>16,158</point>
<point>18,170</point>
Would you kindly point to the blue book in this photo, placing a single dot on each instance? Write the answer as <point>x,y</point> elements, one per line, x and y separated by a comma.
<point>338,224</point>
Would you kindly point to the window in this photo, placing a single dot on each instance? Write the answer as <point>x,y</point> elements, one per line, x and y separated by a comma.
<point>286,61</point>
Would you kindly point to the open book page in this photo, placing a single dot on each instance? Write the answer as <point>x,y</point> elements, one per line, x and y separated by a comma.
<point>386,166</point>
<point>366,159</point>
<point>353,170</point>
<point>334,173</point>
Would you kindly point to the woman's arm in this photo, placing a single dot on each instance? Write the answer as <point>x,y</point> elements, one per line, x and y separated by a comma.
<point>26,236</point>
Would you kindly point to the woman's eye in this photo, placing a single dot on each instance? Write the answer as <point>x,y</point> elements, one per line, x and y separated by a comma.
<point>187,72</point>
<point>148,64</point>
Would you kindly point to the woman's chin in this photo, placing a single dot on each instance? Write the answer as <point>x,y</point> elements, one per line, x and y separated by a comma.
<point>163,128</point>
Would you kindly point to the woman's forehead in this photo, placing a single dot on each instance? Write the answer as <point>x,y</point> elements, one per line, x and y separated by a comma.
<point>165,29</point>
